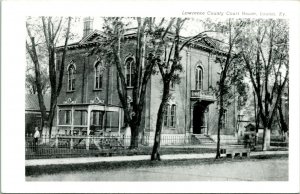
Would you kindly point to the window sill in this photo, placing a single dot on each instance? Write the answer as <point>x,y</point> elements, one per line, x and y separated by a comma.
<point>129,87</point>
<point>70,91</point>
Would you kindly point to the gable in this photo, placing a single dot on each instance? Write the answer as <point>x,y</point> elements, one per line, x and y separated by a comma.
<point>94,36</point>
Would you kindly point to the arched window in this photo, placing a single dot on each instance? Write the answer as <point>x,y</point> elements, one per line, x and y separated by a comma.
<point>129,71</point>
<point>199,78</point>
<point>98,76</point>
<point>71,77</point>
<point>166,114</point>
<point>173,116</point>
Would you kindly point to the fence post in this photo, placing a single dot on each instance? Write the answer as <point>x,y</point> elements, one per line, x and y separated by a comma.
<point>71,143</point>
<point>56,141</point>
<point>87,143</point>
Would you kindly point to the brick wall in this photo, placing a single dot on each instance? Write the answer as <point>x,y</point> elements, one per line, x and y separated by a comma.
<point>85,91</point>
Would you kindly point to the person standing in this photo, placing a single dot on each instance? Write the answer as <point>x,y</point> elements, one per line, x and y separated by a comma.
<point>36,139</point>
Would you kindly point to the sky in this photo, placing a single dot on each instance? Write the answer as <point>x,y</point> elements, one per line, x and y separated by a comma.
<point>191,27</point>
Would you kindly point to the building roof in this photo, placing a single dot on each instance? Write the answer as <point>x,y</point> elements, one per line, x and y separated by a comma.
<point>32,102</point>
<point>204,43</point>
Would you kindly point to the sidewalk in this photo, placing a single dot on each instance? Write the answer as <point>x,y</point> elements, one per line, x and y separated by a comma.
<point>44,162</point>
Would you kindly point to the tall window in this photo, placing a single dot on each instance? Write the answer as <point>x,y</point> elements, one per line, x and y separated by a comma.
<point>199,78</point>
<point>68,117</point>
<point>173,116</point>
<point>129,71</point>
<point>170,116</point>
<point>98,76</point>
<point>97,118</point>
<point>166,114</point>
<point>224,119</point>
<point>71,77</point>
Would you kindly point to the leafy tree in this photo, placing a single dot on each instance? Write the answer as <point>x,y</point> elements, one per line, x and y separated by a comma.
<point>265,54</point>
<point>232,30</point>
<point>35,45</point>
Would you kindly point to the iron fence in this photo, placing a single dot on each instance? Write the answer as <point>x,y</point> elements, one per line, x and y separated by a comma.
<point>76,146</point>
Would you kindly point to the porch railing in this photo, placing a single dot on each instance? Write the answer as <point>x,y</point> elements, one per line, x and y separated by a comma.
<point>203,94</point>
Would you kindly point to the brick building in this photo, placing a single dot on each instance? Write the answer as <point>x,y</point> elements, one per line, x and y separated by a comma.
<point>89,100</point>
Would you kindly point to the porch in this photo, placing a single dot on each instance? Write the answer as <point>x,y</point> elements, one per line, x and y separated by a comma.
<point>87,123</point>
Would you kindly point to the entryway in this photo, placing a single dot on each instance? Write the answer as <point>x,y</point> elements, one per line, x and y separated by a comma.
<point>199,125</point>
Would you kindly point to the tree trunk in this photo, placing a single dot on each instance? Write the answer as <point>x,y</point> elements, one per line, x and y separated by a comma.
<point>159,121</point>
<point>134,136</point>
<point>284,127</point>
<point>156,146</point>
<point>218,154</point>
<point>50,120</point>
<point>266,139</point>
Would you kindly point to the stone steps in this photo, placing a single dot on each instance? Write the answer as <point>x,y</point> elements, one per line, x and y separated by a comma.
<point>202,139</point>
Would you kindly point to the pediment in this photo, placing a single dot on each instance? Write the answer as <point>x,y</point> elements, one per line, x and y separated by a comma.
<point>94,36</point>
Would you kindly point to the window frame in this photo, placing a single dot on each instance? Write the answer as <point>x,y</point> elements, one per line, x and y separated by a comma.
<point>98,75</point>
<point>224,119</point>
<point>97,118</point>
<point>166,116</point>
<point>71,78</point>
<point>173,116</point>
<point>199,78</point>
<point>68,117</point>
<point>129,74</point>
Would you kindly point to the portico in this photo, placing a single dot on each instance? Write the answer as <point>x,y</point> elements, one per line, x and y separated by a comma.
<point>200,101</point>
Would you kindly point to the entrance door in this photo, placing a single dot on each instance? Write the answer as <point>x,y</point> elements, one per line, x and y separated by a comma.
<point>198,120</point>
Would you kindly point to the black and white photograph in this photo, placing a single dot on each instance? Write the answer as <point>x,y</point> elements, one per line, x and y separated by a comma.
<point>201,96</point>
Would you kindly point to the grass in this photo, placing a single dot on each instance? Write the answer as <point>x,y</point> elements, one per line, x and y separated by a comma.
<point>105,166</point>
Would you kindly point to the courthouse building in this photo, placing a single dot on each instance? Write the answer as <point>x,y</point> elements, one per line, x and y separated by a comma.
<point>89,101</point>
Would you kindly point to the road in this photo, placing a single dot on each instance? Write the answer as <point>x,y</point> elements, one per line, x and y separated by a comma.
<point>243,170</point>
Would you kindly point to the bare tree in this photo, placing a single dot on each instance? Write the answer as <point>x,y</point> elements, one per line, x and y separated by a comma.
<point>30,83</point>
<point>50,29</point>
<point>111,49</point>
<point>167,59</point>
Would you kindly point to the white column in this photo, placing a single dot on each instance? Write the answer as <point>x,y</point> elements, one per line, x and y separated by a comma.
<point>120,122</point>
<point>192,115</point>
<point>72,127</point>
<point>57,119</point>
<point>87,142</point>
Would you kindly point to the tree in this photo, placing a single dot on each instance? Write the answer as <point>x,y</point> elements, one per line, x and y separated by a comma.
<point>168,68</point>
<point>168,62</point>
<point>265,54</point>
<point>51,30</point>
<point>110,48</point>
<point>232,30</point>
<point>282,120</point>
<point>30,83</point>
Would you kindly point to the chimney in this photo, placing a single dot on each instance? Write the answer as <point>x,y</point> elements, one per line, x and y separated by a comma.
<point>87,25</point>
